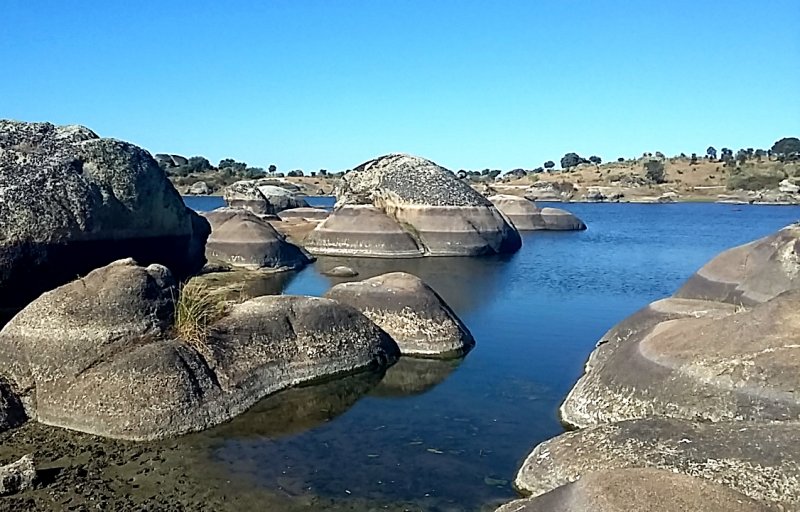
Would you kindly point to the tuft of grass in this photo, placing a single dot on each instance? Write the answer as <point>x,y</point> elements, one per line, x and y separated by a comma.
<point>197,308</point>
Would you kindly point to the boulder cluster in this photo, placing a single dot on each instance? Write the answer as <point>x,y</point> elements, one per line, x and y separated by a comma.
<point>692,403</point>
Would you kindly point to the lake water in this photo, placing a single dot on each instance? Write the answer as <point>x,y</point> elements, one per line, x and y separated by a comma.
<point>441,436</point>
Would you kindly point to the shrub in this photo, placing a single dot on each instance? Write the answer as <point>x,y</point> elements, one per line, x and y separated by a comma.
<point>196,309</point>
<point>654,171</point>
<point>751,178</point>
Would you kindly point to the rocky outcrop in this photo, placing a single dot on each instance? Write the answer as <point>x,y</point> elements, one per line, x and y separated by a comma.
<point>340,271</point>
<point>304,213</point>
<point>759,460</point>
<point>526,216</point>
<point>101,354</point>
<point>751,273</point>
<point>410,311</point>
<point>243,239</point>
<point>637,490</point>
<point>199,188</point>
<point>71,202</point>
<point>261,197</point>
<point>409,206</point>
<point>17,476</point>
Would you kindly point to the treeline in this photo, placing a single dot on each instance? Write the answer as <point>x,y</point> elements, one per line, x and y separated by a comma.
<point>182,167</point>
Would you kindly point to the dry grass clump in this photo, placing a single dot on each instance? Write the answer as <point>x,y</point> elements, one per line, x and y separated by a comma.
<point>197,308</point>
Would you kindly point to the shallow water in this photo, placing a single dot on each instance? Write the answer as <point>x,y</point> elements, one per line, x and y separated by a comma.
<point>450,436</point>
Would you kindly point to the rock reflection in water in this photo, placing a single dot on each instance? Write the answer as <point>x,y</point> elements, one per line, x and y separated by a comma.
<point>299,409</point>
<point>412,376</point>
<point>246,284</point>
<point>464,283</point>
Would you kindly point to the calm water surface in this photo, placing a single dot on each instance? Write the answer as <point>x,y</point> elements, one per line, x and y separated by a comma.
<point>451,435</point>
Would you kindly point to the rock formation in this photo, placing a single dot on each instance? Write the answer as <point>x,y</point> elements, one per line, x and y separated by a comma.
<point>71,202</point>
<point>526,216</point>
<point>410,311</point>
<point>243,239</point>
<point>101,354</point>
<point>405,206</point>
<point>261,197</point>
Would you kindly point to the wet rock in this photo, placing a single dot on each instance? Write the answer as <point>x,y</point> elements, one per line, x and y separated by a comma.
<point>243,239</point>
<point>72,202</point>
<point>417,208</point>
<point>751,273</point>
<point>637,490</point>
<point>526,216</point>
<point>340,271</point>
<point>410,311</point>
<point>261,197</point>
<point>100,355</point>
<point>304,213</point>
<point>17,476</point>
<point>759,460</point>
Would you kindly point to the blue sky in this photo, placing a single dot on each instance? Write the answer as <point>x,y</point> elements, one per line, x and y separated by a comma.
<point>469,84</point>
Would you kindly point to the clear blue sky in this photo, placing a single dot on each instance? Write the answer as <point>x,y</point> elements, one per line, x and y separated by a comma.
<point>469,84</point>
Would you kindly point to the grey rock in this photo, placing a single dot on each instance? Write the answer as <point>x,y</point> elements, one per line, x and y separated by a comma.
<point>759,460</point>
<point>439,214</point>
<point>261,197</point>
<point>199,188</point>
<point>17,476</point>
<point>166,160</point>
<point>638,490</point>
<point>243,239</point>
<point>751,273</point>
<point>99,355</point>
<point>788,187</point>
<point>410,311</point>
<point>556,219</point>
<point>304,213</point>
<point>71,202</point>
<point>526,216</point>
<point>340,271</point>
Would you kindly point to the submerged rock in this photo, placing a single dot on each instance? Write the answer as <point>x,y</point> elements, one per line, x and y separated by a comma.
<point>71,202</point>
<point>637,490</point>
<point>410,311</point>
<point>261,197</point>
<point>526,216</point>
<point>243,239</point>
<point>17,476</point>
<point>401,206</point>
<point>757,459</point>
<point>340,271</point>
<point>100,354</point>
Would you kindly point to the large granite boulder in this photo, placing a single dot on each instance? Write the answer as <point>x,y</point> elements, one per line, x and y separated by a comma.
<point>18,476</point>
<point>638,490</point>
<point>526,216</point>
<point>413,314</point>
<point>71,202</point>
<point>416,201</point>
<point>751,273</point>
<point>261,197</point>
<point>244,239</point>
<point>759,460</point>
<point>102,355</point>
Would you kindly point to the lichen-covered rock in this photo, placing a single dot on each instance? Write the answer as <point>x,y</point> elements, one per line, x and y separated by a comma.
<point>261,197</point>
<point>751,273</point>
<point>99,354</point>
<point>243,239</point>
<point>526,216</point>
<point>71,202</point>
<point>440,214</point>
<point>17,476</point>
<point>759,460</point>
<point>637,490</point>
<point>410,311</point>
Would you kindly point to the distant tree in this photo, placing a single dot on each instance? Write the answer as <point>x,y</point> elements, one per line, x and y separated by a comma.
<point>280,175</point>
<point>571,160</point>
<point>659,154</point>
<point>198,164</point>
<point>726,155</point>
<point>313,173</point>
<point>654,171</point>
<point>683,155</point>
<point>272,169</point>
<point>760,153</point>
<point>711,152</point>
<point>226,163</point>
<point>494,173</point>
<point>253,172</point>
<point>741,156</point>
<point>693,160</point>
<point>538,170</point>
<point>787,147</point>
<point>462,174</point>
<point>620,159</point>
<point>549,164</point>
<point>485,172</point>
<point>323,172</point>
<point>595,160</point>
<point>295,173</point>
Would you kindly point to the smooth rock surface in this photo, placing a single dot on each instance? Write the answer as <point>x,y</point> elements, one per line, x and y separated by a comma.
<point>98,354</point>
<point>17,476</point>
<point>751,273</point>
<point>526,216</point>
<point>759,460</point>
<point>243,239</point>
<point>638,490</point>
<point>304,213</point>
<point>439,214</point>
<point>340,271</point>
<point>261,197</point>
<point>413,314</point>
<point>71,202</point>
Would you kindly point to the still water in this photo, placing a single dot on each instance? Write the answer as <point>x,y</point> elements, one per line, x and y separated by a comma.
<point>451,435</point>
